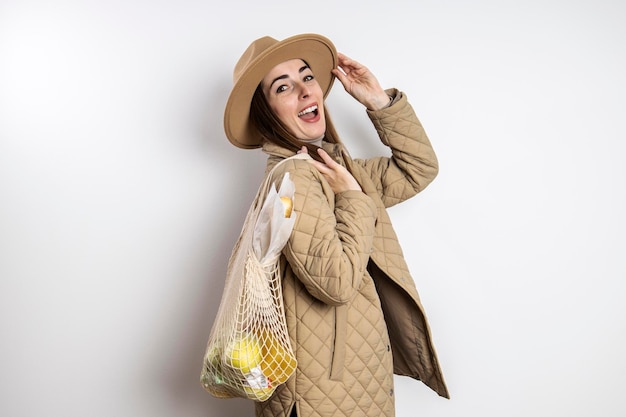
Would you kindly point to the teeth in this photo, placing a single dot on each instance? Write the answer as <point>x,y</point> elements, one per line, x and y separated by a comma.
<point>307,110</point>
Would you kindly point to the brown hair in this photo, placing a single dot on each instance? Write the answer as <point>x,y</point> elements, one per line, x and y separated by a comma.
<point>273,130</point>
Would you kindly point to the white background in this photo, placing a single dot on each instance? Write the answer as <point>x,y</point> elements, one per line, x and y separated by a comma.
<point>120,197</point>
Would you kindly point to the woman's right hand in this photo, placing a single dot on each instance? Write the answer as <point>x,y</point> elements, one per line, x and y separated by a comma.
<point>338,177</point>
<point>360,83</point>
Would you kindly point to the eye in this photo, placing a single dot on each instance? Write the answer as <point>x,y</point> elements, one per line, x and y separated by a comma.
<point>309,78</point>
<point>281,88</point>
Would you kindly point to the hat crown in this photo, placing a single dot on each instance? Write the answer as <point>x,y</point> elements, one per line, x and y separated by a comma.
<point>255,49</point>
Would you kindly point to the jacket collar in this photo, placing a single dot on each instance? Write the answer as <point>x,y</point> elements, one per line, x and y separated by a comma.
<point>336,150</point>
<point>276,151</point>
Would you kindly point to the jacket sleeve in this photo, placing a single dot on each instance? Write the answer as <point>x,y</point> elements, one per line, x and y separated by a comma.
<point>413,163</point>
<point>331,241</point>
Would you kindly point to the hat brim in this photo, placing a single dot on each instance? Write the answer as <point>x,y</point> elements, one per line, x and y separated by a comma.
<point>318,51</point>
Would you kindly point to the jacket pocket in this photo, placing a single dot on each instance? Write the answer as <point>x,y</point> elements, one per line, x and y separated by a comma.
<point>339,344</point>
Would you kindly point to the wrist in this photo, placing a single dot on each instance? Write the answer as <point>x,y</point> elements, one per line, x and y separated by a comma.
<point>379,102</point>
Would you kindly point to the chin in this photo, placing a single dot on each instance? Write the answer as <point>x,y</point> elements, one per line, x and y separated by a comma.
<point>314,135</point>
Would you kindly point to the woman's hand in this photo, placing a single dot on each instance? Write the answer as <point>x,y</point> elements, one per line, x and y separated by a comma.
<point>360,83</point>
<point>338,177</point>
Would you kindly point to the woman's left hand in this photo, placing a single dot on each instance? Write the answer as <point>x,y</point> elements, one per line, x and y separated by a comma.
<point>360,83</point>
<point>338,177</point>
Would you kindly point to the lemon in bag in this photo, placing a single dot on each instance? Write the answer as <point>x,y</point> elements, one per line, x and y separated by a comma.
<point>244,353</point>
<point>287,205</point>
<point>278,364</point>
<point>259,394</point>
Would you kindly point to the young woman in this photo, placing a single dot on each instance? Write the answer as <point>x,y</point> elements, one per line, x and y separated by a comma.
<point>352,309</point>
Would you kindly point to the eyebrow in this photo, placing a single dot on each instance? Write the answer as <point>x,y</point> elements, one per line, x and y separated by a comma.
<point>282,77</point>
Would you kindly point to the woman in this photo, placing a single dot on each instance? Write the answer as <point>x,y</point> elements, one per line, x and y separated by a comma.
<point>352,309</point>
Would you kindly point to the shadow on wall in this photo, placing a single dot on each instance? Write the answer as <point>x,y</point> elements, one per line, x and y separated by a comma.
<point>243,170</point>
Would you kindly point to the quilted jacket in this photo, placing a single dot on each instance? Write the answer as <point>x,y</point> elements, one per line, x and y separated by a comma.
<point>352,308</point>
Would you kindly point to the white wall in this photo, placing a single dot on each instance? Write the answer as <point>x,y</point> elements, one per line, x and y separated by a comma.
<point>120,197</point>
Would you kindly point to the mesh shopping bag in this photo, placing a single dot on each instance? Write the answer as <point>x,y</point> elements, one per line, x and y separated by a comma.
<point>249,353</point>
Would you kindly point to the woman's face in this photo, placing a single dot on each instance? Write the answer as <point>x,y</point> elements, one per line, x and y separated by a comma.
<point>296,99</point>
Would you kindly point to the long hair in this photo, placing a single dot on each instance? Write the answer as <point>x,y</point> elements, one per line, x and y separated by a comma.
<point>273,130</point>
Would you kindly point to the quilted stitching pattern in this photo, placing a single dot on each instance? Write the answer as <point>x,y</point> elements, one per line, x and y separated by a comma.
<point>414,164</point>
<point>366,388</point>
<point>333,310</point>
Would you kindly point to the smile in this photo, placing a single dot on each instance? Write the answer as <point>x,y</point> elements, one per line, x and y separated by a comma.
<point>312,109</point>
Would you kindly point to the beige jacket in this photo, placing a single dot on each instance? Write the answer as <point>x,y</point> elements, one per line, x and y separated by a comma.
<point>352,308</point>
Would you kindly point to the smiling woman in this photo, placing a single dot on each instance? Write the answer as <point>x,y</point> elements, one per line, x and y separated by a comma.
<point>296,99</point>
<point>352,309</point>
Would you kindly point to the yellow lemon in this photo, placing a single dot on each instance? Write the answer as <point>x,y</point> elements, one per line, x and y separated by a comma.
<point>244,353</point>
<point>278,364</point>
<point>259,394</point>
<point>288,205</point>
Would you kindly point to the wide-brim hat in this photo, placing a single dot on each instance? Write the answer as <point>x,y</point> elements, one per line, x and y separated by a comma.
<point>261,56</point>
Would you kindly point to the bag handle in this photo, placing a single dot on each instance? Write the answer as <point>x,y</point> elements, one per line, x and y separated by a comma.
<point>264,187</point>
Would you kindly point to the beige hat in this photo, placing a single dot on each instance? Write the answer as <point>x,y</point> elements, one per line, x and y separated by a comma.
<point>261,56</point>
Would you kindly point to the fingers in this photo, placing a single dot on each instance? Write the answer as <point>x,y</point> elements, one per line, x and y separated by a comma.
<point>354,71</point>
<point>326,158</point>
<point>303,149</point>
<point>345,66</point>
<point>341,71</point>
<point>328,166</point>
<point>344,61</point>
<point>340,76</point>
<point>360,83</point>
<point>337,176</point>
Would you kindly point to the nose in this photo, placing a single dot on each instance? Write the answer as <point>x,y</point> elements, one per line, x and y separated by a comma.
<point>304,91</point>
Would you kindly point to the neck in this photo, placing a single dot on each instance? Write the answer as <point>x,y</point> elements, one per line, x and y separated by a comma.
<point>317,142</point>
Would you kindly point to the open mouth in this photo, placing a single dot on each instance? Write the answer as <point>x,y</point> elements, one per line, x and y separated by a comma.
<point>309,113</point>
